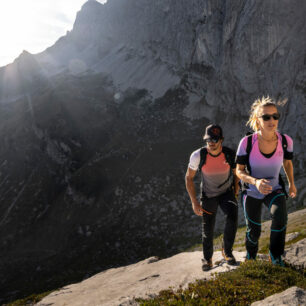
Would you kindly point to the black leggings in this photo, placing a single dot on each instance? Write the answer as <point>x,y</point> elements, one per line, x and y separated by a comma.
<point>276,203</point>
<point>229,207</point>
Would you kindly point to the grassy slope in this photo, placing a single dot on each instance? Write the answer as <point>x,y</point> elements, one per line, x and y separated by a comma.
<point>252,281</point>
<point>296,223</point>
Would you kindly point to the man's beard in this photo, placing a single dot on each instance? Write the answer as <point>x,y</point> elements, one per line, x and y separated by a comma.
<point>214,148</point>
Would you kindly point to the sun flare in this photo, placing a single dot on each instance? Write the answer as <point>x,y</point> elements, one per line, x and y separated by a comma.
<point>34,25</point>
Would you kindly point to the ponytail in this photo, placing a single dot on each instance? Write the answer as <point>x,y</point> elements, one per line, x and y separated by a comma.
<point>258,103</point>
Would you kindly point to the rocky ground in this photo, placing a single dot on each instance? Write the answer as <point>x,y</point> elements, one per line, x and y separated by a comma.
<point>291,296</point>
<point>120,286</point>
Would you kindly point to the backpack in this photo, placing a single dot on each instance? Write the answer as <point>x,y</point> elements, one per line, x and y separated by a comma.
<point>229,157</point>
<point>244,186</point>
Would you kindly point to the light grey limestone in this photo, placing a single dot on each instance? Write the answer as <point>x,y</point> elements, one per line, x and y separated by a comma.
<point>291,296</point>
<point>120,286</point>
<point>296,254</point>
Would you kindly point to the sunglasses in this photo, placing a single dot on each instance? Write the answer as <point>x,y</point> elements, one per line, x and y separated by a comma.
<point>267,117</point>
<point>212,140</point>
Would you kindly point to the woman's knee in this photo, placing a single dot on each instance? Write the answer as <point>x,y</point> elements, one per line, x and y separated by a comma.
<point>279,215</point>
<point>254,232</point>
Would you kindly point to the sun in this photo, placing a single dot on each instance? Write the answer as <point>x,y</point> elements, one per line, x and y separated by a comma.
<point>17,27</point>
<point>34,25</point>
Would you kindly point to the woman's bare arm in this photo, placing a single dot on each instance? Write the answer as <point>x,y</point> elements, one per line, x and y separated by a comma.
<point>288,168</point>
<point>261,184</point>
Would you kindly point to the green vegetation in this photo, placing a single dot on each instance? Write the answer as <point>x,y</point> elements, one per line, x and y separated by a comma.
<point>252,281</point>
<point>30,300</point>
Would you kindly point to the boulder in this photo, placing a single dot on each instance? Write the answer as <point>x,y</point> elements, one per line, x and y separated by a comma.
<point>291,296</point>
<point>296,255</point>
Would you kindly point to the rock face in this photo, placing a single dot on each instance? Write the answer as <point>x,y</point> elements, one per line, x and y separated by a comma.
<point>296,255</point>
<point>97,130</point>
<point>291,296</point>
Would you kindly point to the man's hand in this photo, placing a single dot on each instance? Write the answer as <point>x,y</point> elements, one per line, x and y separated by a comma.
<point>198,210</point>
<point>236,193</point>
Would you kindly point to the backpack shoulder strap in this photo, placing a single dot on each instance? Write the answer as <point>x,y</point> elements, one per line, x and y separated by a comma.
<point>229,156</point>
<point>249,144</point>
<point>203,155</point>
<point>280,178</point>
<point>284,143</point>
<point>248,150</point>
<point>230,159</point>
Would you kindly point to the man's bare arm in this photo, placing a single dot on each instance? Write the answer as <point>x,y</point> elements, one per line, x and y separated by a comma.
<point>189,177</point>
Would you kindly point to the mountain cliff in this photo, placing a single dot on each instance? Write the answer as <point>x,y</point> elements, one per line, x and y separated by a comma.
<point>96,131</point>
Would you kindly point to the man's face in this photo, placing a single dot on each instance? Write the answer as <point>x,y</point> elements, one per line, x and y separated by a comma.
<point>214,145</point>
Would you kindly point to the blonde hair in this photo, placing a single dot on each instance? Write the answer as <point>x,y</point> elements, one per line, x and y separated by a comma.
<point>259,103</point>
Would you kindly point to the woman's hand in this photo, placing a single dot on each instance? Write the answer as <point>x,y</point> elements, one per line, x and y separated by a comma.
<point>263,186</point>
<point>292,191</point>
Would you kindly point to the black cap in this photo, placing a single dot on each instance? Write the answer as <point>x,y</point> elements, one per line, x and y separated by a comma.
<point>213,131</point>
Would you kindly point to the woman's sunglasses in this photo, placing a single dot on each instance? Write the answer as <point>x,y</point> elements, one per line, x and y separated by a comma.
<point>267,117</point>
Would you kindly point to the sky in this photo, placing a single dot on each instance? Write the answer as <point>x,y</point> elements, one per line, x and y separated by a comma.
<point>34,25</point>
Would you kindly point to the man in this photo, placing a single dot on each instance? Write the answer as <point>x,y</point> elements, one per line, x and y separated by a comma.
<point>219,188</point>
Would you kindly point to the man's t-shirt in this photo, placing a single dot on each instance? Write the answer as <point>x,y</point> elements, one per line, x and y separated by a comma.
<point>261,166</point>
<point>214,172</point>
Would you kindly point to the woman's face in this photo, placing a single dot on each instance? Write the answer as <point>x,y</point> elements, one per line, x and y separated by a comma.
<point>267,118</point>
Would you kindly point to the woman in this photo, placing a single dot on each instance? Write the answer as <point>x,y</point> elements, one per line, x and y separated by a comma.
<point>258,167</point>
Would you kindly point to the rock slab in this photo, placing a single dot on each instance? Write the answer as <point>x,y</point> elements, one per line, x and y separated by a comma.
<point>296,255</point>
<point>291,296</point>
<point>120,286</point>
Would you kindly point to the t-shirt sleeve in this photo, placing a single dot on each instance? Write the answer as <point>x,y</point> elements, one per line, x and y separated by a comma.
<point>194,161</point>
<point>289,152</point>
<point>241,155</point>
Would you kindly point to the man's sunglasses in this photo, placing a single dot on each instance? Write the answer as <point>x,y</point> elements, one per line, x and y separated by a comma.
<point>267,117</point>
<point>214,140</point>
